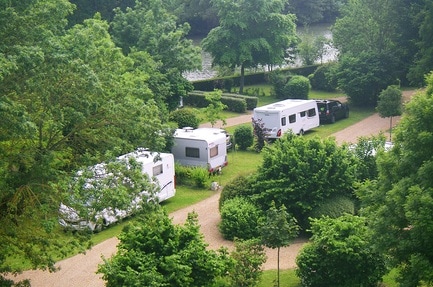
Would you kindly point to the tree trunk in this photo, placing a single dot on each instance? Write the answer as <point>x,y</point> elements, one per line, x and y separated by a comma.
<point>278,267</point>
<point>390,128</point>
<point>241,84</point>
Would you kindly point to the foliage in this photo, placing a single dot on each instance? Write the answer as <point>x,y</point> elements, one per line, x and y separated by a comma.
<point>340,254</point>
<point>372,52</point>
<point>259,135</point>
<point>155,252</point>
<point>333,207</point>
<point>324,78</point>
<point>70,97</point>
<point>399,205</point>
<point>311,48</point>
<point>215,107</point>
<point>151,28</point>
<point>239,217</point>
<point>115,184</point>
<point>364,76</point>
<point>243,38</point>
<point>185,118</point>
<point>423,60</point>
<point>238,187</point>
<point>298,87</point>
<point>248,258</point>
<point>366,150</point>
<point>200,176</point>
<point>244,137</point>
<point>278,230</point>
<point>301,172</point>
<point>390,104</point>
<point>278,81</point>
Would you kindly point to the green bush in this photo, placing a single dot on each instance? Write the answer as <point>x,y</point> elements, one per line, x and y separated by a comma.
<point>278,81</point>
<point>323,78</point>
<point>182,174</point>
<point>240,186</point>
<point>244,137</point>
<point>298,87</point>
<point>200,176</point>
<point>239,219</point>
<point>237,105</point>
<point>333,207</point>
<point>185,118</point>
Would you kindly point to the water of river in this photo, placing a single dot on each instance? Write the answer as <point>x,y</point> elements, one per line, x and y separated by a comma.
<point>208,72</point>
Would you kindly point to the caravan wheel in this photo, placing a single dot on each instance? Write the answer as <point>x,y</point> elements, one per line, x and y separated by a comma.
<point>301,132</point>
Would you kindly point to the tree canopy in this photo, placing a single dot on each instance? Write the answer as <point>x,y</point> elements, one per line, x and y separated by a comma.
<point>155,252</point>
<point>250,33</point>
<point>69,98</point>
<point>399,206</point>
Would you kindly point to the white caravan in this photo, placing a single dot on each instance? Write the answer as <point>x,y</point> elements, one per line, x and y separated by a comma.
<point>205,147</point>
<point>160,169</point>
<point>296,115</point>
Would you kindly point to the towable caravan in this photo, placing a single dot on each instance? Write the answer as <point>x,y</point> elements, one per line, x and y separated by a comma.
<point>159,167</point>
<point>296,115</point>
<point>205,147</point>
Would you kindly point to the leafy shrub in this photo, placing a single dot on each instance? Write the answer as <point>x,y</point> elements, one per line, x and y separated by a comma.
<point>200,176</point>
<point>239,219</point>
<point>298,87</point>
<point>323,78</point>
<point>333,207</point>
<point>240,186</point>
<point>244,137</point>
<point>185,118</point>
<point>278,81</point>
<point>182,174</point>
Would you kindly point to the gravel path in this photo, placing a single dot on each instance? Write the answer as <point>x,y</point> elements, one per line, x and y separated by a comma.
<point>80,269</point>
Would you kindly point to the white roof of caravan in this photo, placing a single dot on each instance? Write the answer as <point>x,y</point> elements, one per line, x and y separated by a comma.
<point>207,134</point>
<point>282,105</point>
<point>143,155</point>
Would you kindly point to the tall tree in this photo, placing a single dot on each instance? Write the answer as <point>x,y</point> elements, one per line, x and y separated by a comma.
<point>250,33</point>
<point>390,105</point>
<point>278,230</point>
<point>68,96</point>
<point>149,27</point>
<point>368,39</point>
<point>399,206</point>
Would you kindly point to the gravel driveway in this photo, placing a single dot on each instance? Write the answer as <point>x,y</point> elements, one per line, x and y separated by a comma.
<point>80,269</point>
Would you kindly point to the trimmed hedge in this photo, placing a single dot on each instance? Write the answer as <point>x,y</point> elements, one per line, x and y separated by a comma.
<point>234,102</point>
<point>224,83</point>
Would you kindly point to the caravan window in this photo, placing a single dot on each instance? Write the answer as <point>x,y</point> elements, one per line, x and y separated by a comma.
<point>292,118</point>
<point>157,170</point>
<point>303,113</point>
<point>213,151</point>
<point>192,152</point>
<point>312,112</point>
<point>283,121</point>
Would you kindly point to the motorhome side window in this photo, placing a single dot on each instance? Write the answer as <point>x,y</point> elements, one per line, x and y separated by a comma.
<point>303,113</point>
<point>292,118</point>
<point>213,151</point>
<point>312,112</point>
<point>157,170</point>
<point>192,152</point>
<point>283,121</point>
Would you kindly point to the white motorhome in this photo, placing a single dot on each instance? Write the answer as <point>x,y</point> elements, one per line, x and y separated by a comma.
<point>160,169</point>
<point>296,115</point>
<point>205,147</point>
